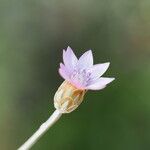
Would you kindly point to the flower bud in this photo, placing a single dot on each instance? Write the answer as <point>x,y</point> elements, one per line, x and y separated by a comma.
<point>68,97</point>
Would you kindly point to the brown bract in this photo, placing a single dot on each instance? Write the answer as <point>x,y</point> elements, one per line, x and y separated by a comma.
<point>68,97</point>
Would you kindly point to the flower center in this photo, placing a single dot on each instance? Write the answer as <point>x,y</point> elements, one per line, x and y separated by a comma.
<point>80,77</point>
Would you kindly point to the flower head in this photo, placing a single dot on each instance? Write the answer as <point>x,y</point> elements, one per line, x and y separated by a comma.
<point>82,73</point>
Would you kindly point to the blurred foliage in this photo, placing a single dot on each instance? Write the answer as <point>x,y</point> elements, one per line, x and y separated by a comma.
<point>32,36</point>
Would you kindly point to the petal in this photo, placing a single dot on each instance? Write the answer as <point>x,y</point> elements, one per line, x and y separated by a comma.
<point>99,69</point>
<point>63,71</point>
<point>63,74</point>
<point>69,58</point>
<point>63,67</point>
<point>86,60</point>
<point>100,83</point>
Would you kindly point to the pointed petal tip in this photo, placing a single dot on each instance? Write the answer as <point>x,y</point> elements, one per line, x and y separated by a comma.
<point>60,72</point>
<point>89,54</point>
<point>107,63</point>
<point>90,51</point>
<point>69,49</point>
<point>112,79</point>
<point>61,65</point>
<point>107,80</point>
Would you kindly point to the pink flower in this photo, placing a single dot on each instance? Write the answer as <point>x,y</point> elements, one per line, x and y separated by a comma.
<point>82,73</point>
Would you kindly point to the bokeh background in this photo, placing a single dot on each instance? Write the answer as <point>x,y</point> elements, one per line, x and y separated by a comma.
<point>32,36</point>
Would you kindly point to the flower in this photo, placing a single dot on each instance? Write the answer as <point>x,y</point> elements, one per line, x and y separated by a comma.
<point>82,73</point>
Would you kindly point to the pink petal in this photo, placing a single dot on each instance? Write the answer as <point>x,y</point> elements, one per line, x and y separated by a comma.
<point>63,74</point>
<point>64,71</point>
<point>99,69</point>
<point>69,58</point>
<point>86,60</point>
<point>63,67</point>
<point>100,83</point>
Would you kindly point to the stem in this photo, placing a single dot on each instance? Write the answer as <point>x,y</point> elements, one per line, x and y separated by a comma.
<point>43,128</point>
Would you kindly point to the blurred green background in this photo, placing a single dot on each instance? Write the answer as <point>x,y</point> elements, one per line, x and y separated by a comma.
<point>32,36</point>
